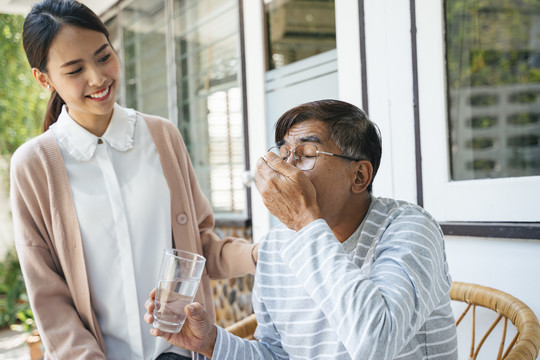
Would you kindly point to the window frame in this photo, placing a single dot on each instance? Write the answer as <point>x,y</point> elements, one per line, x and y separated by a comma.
<point>488,207</point>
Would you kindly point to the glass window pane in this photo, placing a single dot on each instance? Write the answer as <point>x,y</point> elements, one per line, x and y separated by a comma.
<point>493,64</point>
<point>115,36</point>
<point>144,44</point>
<point>209,98</point>
<point>298,29</point>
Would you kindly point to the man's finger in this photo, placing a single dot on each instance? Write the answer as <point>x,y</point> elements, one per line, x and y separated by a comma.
<point>273,160</point>
<point>196,312</point>
<point>280,166</point>
<point>149,318</point>
<point>261,163</point>
<point>264,173</point>
<point>149,305</point>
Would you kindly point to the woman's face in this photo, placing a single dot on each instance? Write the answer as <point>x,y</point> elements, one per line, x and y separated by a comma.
<point>84,69</point>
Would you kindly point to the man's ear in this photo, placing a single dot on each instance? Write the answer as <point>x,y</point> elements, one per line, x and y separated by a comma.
<point>42,79</point>
<point>363,176</point>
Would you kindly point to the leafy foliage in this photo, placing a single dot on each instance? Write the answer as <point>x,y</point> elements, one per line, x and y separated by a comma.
<point>22,108</point>
<point>26,321</point>
<point>22,101</point>
<point>14,306</point>
<point>489,42</point>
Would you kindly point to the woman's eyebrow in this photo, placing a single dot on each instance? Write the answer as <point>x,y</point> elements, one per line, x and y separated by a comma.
<point>101,49</point>
<point>73,62</point>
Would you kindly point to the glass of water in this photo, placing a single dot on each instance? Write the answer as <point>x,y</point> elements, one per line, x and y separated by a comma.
<point>179,278</point>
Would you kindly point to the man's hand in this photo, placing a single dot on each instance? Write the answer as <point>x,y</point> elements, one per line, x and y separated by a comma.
<point>287,192</point>
<point>198,333</point>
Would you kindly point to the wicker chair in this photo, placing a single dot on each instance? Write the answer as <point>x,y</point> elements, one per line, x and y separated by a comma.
<point>524,346</point>
<point>244,328</point>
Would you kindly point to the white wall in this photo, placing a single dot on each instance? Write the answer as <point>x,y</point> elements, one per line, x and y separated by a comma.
<point>506,264</point>
<point>509,265</point>
<point>256,108</point>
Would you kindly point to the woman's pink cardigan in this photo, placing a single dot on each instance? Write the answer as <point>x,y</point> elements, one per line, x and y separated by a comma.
<point>50,251</point>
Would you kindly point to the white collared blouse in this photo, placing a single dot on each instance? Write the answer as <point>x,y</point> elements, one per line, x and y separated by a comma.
<point>123,206</point>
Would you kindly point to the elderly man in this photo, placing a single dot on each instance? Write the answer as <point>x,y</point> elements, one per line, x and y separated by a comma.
<point>348,275</point>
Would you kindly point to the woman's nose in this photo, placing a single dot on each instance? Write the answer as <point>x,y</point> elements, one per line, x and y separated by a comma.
<point>96,77</point>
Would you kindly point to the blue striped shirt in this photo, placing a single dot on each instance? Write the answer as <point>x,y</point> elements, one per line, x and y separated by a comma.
<point>388,298</point>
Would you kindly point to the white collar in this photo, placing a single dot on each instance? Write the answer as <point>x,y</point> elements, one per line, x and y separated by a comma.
<point>82,144</point>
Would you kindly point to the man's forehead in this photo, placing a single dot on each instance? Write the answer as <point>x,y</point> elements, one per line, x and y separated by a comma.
<point>314,131</point>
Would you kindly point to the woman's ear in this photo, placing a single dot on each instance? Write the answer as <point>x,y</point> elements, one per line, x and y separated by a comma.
<point>42,79</point>
<point>363,176</point>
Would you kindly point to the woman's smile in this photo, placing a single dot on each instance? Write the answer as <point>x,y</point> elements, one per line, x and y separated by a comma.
<point>100,95</point>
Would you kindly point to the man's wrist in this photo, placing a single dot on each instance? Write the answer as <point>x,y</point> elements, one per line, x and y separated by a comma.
<point>305,220</point>
<point>208,349</point>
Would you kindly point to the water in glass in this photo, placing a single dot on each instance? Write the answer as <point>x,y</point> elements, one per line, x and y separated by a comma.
<point>171,298</point>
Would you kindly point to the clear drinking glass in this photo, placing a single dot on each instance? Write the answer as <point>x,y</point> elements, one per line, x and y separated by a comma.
<point>179,278</point>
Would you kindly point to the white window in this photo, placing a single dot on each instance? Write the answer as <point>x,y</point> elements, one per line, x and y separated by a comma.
<point>210,100</point>
<point>479,98</point>
<point>181,60</point>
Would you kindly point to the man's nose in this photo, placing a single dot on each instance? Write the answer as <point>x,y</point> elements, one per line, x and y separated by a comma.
<point>291,157</point>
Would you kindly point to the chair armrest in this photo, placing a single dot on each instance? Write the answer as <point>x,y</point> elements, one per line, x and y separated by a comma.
<point>244,328</point>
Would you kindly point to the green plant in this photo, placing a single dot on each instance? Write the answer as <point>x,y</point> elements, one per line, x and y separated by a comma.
<point>14,306</point>
<point>26,321</point>
<point>22,100</point>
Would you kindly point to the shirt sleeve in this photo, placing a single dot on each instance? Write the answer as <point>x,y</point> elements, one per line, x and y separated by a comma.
<point>268,345</point>
<point>229,346</point>
<point>377,309</point>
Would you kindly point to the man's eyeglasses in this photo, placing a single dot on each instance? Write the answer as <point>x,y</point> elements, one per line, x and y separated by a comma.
<point>305,156</point>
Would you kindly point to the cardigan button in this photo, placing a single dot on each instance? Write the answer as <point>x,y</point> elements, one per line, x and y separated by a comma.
<point>182,219</point>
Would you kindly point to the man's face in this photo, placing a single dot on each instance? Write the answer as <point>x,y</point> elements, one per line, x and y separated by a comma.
<point>332,176</point>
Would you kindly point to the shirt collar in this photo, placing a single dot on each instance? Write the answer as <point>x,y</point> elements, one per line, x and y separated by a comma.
<point>352,242</point>
<point>82,144</point>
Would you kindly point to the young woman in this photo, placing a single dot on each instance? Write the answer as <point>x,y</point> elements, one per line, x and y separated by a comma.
<point>99,195</point>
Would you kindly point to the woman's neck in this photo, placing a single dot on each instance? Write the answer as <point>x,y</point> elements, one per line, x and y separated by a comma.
<point>96,124</point>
